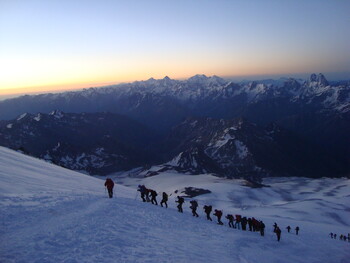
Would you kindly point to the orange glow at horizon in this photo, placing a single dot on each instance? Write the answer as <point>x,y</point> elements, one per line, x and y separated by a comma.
<point>53,82</point>
<point>25,75</point>
<point>56,45</point>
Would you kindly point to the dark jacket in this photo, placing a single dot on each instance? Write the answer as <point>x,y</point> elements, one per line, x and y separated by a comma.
<point>207,209</point>
<point>194,204</point>
<point>165,196</point>
<point>109,183</point>
<point>230,218</point>
<point>218,213</point>
<point>180,200</point>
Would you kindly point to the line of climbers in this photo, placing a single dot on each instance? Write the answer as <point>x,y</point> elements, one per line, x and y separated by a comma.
<point>341,237</point>
<point>296,229</point>
<point>236,221</point>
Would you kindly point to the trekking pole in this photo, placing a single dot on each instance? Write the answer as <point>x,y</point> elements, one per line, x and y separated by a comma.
<point>135,196</point>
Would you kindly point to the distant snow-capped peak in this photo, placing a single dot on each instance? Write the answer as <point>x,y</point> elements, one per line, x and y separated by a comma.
<point>57,114</point>
<point>317,80</point>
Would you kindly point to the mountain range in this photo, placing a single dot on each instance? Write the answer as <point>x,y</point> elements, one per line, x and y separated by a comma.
<point>96,143</point>
<point>202,124</point>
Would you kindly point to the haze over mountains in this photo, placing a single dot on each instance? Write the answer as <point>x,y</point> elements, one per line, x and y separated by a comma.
<point>286,127</point>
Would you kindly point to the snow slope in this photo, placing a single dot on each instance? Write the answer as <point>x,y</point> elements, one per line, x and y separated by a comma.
<point>325,201</point>
<point>51,214</point>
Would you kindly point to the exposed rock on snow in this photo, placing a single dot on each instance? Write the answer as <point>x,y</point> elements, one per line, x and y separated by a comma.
<point>193,191</point>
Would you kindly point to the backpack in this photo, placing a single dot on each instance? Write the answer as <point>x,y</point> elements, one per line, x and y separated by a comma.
<point>109,183</point>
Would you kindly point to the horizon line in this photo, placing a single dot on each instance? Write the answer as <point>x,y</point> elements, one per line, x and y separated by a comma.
<point>72,87</point>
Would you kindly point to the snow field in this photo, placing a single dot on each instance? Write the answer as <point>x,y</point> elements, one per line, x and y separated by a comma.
<point>51,214</point>
<point>325,201</point>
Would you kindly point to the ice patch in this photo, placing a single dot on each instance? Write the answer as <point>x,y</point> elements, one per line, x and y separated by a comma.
<point>175,161</point>
<point>80,157</point>
<point>47,157</point>
<point>57,114</point>
<point>193,124</point>
<point>223,140</point>
<point>97,162</point>
<point>66,160</point>
<point>99,151</point>
<point>21,116</point>
<point>56,147</point>
<point>233,128</point>
<point>194,162</point>
<point>241,149</point>
<point>9,126</point>
<point>38,117</point>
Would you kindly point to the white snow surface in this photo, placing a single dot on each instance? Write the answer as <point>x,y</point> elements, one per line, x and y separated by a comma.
<point>37,117</point>
<point>21,116</point>
<point>56,147</point>
<point>242,150</point>
<point>51,214</point>
<point>56,113</point>
<point>175,161</point>
<point>223,140</point>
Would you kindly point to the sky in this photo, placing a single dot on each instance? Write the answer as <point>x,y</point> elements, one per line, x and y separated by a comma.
<point>58,45</point>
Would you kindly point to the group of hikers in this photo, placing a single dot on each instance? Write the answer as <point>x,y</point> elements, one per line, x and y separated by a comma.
<point>289,228</point>
<point>341,237</point>
<point>234,221</point>
<point>278,231</point>
<point>149,195</point>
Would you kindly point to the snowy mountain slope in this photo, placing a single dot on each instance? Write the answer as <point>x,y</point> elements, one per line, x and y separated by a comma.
<point>238,148</point>
<point>104,143</point>
<point>50,214</point>
<point>27,176</point>
<point>96,143</point>
<point>325,201</point>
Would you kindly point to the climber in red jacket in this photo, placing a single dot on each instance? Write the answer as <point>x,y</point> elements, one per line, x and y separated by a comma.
<point>218,214</point>
<point>109,184</point>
